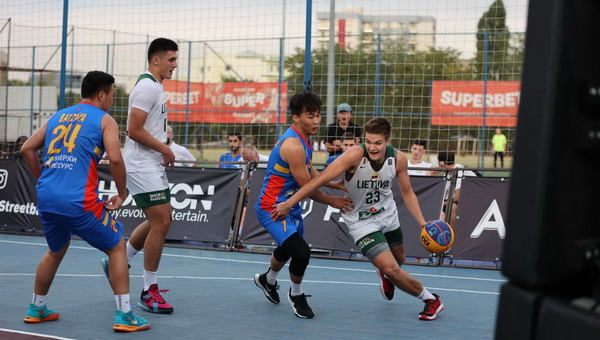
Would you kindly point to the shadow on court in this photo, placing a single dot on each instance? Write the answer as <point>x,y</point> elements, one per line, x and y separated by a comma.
<point>214,297</point>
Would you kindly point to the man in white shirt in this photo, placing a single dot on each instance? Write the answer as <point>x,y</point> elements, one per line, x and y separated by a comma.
<point>181,152</point>
<point>146,154</point>
<point>418,149</point>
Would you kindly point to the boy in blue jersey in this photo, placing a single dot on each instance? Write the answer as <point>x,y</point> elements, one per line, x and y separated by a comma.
<point>289,168</point>
<point>74,140</point>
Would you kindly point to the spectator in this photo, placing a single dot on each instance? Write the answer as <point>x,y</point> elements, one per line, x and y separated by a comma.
<point>418,149</point>
<point>16,154</point>
<point>335,131</point>
<point>446,160</point>
<point>348,141</point>
<point>499,145</point>
<point>250,154</point>
<point>235,142</point>
<point>181,152</point>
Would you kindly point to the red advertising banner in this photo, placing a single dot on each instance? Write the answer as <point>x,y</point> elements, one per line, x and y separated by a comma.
<point>247,103</point>
<point>464,103</point>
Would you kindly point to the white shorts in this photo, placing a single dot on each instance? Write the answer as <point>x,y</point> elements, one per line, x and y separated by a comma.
<point>384,222</point>
<point>145,182</point>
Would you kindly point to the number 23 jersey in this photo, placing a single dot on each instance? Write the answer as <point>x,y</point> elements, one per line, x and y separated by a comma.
<point>371,189</point>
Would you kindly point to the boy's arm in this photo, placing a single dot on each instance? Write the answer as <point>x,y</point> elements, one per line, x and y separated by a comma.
<point>408,195</point>
<point>342,164</point>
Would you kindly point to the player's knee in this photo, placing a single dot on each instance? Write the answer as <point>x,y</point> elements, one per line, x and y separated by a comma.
<point>391,270</point>
<point>299,251</point>
<point>281,255</point>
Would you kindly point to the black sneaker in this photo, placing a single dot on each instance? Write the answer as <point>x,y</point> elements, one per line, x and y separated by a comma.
<point>300,306</point>
<point>270,290</point>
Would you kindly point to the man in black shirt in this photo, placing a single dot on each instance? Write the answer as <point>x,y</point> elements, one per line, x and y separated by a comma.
<point>336,131</point>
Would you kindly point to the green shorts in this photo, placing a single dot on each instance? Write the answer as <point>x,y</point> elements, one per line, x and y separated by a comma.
<point>148,199</point>
<point>376,243</point>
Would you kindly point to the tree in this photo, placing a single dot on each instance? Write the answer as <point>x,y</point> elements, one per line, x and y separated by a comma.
<point>492,59</point>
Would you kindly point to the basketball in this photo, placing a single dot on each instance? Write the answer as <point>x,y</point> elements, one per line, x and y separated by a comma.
<point>437,236</point>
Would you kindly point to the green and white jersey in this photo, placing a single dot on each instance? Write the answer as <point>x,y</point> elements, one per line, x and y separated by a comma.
<point>147,95</point>
<point>371,189</point>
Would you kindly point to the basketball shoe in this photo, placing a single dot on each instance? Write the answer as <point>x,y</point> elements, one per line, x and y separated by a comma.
<point>432,308</point>
<point>260,280</point>
<point>386,287</point>
<point>37,314</point>
<point>300,305</point>
<point>151,301</point>
<point>129,322</point>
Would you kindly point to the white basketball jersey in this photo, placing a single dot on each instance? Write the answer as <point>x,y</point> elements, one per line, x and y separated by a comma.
<point>371,190</point>
<point>148,96</point>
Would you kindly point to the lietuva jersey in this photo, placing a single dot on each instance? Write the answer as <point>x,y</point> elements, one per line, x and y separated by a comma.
<point>147,95</point>
<point>370,189</point>
<point>279,184</point>
<point>68,184</point>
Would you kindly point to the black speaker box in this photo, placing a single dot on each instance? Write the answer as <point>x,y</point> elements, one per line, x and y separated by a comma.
<point>553,227</point>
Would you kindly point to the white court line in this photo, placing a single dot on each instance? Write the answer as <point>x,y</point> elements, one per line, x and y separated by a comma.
<point>266,263</point>
<point>221,278</point>
<point>36,334</point>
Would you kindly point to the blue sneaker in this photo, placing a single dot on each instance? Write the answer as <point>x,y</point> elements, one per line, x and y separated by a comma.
<point>129,322</point>
<point>37,314</point>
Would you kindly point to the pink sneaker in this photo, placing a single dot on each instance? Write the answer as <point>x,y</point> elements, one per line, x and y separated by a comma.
<point>151,301</point>
<point>385,286</point>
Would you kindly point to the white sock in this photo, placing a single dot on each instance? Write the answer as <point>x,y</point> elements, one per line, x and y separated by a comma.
<point>149,279</point>
<point>123,303</point>
<point>296,289</point>
<point>38,300</point>
<point>426,295</point>
<point>272,276</point>
<point>131,252</point>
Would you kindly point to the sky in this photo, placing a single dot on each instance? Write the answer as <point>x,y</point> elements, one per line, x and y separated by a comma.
<point>231,26</point>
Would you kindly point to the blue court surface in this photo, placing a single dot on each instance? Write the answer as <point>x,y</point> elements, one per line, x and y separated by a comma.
<point>214,297</point>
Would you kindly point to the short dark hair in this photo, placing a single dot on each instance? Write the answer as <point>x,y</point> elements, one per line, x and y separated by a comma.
<point>305,101</point>
<point>446,157</point>
<point>348,135</point>
<point>94,82</point>
<point>379,125</point>
<point>420,142</point>
<point>160,45</point>
<point>235,133</point>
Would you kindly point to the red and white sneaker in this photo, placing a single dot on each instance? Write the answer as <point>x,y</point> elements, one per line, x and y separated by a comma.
<point>385,286</point>
<point>151,301</point>
<point>432,308</point>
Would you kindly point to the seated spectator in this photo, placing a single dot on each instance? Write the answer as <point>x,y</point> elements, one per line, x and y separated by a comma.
<point>417,150</point>
<point>249,154</point>
<point>348,141</point>
<point>446,160</point>
<point>181,153</point>
<point>235,142</point>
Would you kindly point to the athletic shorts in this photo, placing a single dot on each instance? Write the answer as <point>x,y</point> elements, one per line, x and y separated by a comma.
<point>103,234</point>
<point>376,243</point>
<point>280,230</point>
<point>149,188</point>
<point>383,222</point>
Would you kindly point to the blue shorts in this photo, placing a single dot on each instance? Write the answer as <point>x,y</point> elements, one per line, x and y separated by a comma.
<point>280,230</point>
<point>103,234</point>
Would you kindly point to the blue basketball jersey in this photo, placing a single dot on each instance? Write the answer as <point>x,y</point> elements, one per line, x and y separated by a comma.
<point>68,184</point>
<point>279,184</point>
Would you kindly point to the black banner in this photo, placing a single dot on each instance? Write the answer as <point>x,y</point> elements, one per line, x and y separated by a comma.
<point>325,229</point>
<point>18,199</point>
<point>479,229</point>
<point>202,200</point>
